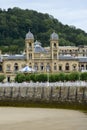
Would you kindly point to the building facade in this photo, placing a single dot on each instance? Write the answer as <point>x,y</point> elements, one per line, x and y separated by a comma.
<point>52,59</point>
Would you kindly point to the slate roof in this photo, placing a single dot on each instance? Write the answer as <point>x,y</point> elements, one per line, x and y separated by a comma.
<point>16,57</point>
<point>66,57</point>
<point>39,49</point>
<point>82,59</point>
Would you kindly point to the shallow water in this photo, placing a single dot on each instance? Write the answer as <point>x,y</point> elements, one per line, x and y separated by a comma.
<point>41,119</point>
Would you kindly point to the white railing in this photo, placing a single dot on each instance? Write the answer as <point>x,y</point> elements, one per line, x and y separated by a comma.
<point>46,84</point>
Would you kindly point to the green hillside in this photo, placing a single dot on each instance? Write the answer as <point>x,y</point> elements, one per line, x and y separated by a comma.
<point>16,22</point>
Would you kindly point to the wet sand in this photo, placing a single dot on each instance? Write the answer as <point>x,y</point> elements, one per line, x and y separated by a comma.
<point>41,119</point>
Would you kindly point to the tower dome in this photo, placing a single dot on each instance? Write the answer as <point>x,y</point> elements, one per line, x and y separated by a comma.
<point>54,36</point>
<point>29,35</point>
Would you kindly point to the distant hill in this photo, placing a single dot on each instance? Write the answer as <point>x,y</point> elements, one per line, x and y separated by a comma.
<point>16,22</point>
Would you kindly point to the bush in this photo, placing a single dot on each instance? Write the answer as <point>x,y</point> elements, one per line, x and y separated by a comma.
<point>41,77</point>
<point>2,77</point>
<point>27,77</point>
<point>61,77</point>
<point>51,78</point>
<point>20,78</point>
<point>67,77</point>
<point>83,76</point>
<point>33,77</point>
<point>74,76</point>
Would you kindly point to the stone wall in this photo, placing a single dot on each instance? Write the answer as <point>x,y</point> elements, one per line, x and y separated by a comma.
<point>45,93</point>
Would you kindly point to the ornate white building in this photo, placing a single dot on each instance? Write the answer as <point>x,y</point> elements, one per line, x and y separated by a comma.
<point>53,59</point>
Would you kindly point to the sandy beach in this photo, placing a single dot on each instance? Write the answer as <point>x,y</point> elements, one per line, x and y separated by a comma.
<point>41,119</point>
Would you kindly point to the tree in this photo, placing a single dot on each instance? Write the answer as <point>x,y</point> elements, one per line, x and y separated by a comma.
<point>15,23</point>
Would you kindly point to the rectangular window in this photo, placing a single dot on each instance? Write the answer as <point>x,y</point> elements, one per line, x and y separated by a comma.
<point>60,68</point>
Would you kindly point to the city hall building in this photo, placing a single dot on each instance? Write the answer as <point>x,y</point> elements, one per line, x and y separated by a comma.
<point>52,59</point>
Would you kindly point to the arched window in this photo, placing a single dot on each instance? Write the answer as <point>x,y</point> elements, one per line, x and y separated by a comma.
<point>86,67</point>
<point>60,67</point>
<point>8,67</point>
<point>0,67</point>
<point>36,66</point>
<point>55,66</point>
<point>70,51</point>
<point>74,66</point>
<point>30,65</point>
<point>15,66</point>
<point>67,66</point>
<point>82,67</point>
<point>23,65</point>
<point>48,68</point>
<point>42,66</point>
<point>55,45</point>
<point>55,55</point>
<point>30,55</point>
<point>30,45</point>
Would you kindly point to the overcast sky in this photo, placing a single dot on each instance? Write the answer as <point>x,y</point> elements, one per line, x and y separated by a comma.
<point>71,12</point>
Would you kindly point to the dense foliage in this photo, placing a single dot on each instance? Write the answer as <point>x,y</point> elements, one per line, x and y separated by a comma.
<point>2,77</point>
<point>15,23</point>
<point>74,76</point>
<point>84,76</point>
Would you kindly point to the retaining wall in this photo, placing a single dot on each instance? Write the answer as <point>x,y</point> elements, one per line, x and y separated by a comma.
<point>45,93</point>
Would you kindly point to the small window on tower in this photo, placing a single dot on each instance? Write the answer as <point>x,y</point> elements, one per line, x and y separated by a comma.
<point>0,67</point>
<point>30,56</point>
<point>55,56</point>
<point>54,44</point>
<point>29,44</point>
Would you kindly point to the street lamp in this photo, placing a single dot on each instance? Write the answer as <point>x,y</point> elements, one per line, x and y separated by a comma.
<point>47,69</point>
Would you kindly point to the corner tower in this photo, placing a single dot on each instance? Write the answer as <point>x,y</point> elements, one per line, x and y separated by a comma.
<point>29,45</point>
<point>54,45</point>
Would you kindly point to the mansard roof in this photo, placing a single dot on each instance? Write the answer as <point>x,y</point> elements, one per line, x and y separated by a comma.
<point>67,57</point>
<point>39,49</point>
<point>16,57</point>
<point>82,59</point>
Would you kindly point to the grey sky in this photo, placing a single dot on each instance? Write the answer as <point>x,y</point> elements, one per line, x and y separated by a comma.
<point>71,12</point>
